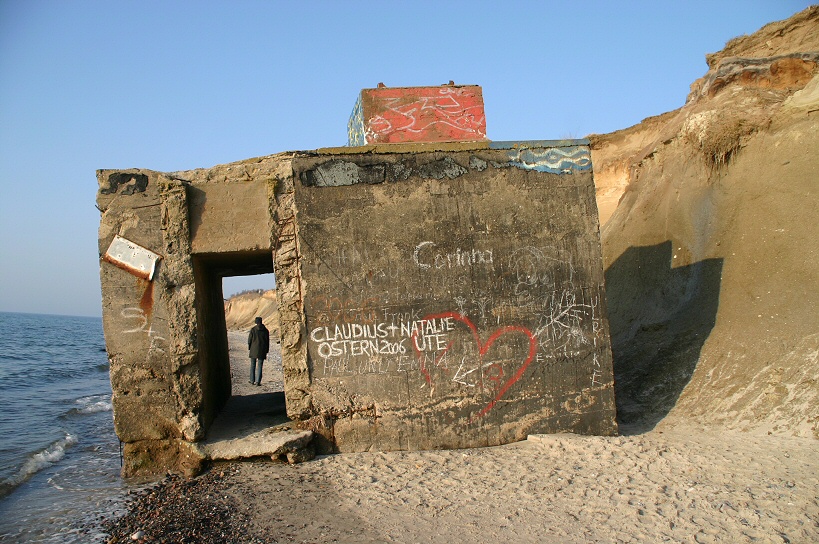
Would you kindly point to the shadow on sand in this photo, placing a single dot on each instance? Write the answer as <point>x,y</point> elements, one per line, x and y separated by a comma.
<point>660,318</point>
<point>244,415</point>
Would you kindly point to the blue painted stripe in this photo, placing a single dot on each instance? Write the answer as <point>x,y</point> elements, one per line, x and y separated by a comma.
<point>554,160</point>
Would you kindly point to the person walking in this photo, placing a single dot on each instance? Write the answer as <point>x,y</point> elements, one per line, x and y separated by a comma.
<point>258,343</point>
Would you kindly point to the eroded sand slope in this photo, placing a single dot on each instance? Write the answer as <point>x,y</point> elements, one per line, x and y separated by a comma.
<point>711,254</point>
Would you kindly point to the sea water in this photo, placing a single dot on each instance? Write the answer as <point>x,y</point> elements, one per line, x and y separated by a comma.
<point>59,456</point>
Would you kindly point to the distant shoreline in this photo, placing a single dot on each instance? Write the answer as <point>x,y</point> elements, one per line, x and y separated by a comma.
<point>51,315</point>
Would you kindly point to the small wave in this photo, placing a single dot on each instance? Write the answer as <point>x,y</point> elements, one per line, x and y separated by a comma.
<point>54,485</point>
<point>56,374</point>
<point>38,462</point>
<point>6,356</point>
<point>92,404</point>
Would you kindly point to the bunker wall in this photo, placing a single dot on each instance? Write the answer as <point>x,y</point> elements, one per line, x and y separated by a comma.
<point>453,299</point>
<point>149,322</point>
<point>430,295</point>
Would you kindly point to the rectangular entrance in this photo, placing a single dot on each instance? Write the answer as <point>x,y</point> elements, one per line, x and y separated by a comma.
<point>247,298</point>
<point>210,272</point>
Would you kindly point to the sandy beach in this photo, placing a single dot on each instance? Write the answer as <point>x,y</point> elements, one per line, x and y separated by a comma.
<point>676,485</point>
<point>673,483</point>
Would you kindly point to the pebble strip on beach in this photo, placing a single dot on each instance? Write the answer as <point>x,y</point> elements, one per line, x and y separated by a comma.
<point>179,510</point>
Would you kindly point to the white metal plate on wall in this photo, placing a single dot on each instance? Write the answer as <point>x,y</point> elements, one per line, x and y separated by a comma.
<point>132,257</point>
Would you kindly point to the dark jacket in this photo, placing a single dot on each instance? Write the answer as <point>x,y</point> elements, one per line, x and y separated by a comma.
<point>258,342</point>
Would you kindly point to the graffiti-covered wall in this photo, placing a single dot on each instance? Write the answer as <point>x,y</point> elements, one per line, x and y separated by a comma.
<point>435,295</point>
<point>454,299</point>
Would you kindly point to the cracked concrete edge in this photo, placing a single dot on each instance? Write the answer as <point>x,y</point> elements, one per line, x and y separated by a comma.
<point>266,443</point>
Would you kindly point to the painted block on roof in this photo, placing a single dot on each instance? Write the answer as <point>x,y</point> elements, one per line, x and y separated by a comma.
<point>418,114</point>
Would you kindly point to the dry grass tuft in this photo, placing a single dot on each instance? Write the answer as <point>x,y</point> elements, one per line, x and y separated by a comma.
<point>717,138</point>
<point>724,140</point>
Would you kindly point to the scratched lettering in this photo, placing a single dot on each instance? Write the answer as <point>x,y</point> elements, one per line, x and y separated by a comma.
<point>426,257</point>
<point>540,268</point>
<point>156,343</point>
<point>347,365</point>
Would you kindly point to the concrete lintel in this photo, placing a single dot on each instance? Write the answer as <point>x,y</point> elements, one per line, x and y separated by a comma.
<point>532,144</point>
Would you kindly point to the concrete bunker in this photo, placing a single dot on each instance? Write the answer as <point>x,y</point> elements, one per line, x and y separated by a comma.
<point>440,295</point>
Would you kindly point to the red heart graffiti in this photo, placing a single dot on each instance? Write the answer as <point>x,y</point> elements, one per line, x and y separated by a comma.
<point>482,349</point>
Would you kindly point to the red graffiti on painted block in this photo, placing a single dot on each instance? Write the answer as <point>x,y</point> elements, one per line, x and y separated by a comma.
<point>423,114</point>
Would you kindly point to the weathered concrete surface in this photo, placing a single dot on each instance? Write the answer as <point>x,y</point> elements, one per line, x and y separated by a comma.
<point>430,295</point>
<point>466,309</point>
<point>255,426</point>
<point>273,443</point>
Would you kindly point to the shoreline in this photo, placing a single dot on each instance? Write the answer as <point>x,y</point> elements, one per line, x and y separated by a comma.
<point>675,482</point>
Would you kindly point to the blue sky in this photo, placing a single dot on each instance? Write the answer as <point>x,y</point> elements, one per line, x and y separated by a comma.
<point>178,85</point>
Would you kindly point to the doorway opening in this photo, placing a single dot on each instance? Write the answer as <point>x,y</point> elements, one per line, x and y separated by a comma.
<point>247,298</point>
<point>232,290</point>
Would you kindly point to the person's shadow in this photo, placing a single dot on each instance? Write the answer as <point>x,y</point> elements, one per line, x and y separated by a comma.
<point>659,319</point>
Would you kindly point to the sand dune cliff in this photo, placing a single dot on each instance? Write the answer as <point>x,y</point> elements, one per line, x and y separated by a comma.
<point>241,310</point>
<point>710,244</point>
